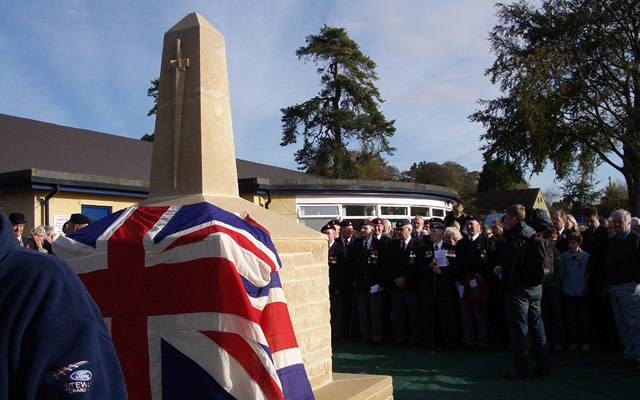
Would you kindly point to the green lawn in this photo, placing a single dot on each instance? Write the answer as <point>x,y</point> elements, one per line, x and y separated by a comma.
<point>479,375</point>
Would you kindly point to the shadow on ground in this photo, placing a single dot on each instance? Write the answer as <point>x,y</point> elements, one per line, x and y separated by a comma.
<point>479,375</point>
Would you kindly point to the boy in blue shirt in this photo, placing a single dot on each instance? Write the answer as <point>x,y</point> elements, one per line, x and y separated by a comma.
<point>575,289</point>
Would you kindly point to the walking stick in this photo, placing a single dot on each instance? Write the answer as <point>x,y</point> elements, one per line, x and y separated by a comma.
<point>353,307</point>
<point>433,314</point>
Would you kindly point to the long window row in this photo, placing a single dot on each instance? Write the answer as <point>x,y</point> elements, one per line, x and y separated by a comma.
<point>315,216</point>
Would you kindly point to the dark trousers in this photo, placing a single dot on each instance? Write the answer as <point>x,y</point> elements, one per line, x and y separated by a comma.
<point>370,316</point>
<point>440,317</point>
<point>474,325</point>
<point>553,315</point>
<point>404,305</point>
<point>578,317</point>
<point>525,319</point>
<point>337,314</point>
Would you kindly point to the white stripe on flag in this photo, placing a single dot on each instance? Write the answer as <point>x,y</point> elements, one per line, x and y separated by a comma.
<point>208,322</point>
<point>207,354</point>
<point>219,245</point>
<point>276,295</point>
<point>286,358</point>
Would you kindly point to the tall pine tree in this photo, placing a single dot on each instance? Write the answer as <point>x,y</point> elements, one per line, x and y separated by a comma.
<point>345,110</point>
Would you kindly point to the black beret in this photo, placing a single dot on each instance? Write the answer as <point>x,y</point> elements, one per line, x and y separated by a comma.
<point>79,219</point>
<point>328,226</point>
<point>472,218</point>
<point>437,223</point>
<point>334,222</point>
<point>402,222</point>
<point>369,223</point>
<point>345,223</point>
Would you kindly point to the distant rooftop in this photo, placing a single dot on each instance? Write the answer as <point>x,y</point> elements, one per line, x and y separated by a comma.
<point>39,154</point>
<point>30,144</point>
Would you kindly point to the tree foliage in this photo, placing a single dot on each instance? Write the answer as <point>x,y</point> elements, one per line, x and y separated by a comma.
<point>153,93</point>
<point>613,198</point>
<point>499,175</point>
<point>449,174</point>
<point>569,73</point>
<point>345,110</point>
<point>579,193</point>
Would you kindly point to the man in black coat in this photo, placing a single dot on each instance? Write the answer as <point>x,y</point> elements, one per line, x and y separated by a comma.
<point>595,241</point>
<point>404,264</point>
<point>346,236</point>
<point>474,267</point>
<point>438,296</point>
<point>523,300</point>
<point>339,282</point>
<point>366,259</point>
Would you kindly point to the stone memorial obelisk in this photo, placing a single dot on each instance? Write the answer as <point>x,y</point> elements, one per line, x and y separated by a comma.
<point>194,161</point>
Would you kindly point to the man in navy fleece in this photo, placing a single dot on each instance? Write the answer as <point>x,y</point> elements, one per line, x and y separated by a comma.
<point>53,341</point>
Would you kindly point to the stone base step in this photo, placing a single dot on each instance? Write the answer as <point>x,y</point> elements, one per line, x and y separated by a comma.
<point>356,387</point>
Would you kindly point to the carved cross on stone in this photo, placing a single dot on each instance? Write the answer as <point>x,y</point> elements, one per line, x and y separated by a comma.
<point>179,67</point>
<point>193,150</point>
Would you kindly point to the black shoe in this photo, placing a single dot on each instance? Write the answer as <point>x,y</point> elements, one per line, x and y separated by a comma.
<point>514,376</point>
<point>543,374</point>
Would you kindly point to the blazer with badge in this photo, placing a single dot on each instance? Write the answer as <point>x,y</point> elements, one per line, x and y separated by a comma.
<point>367,266</point>
<point>445,282</point>
<point>339,276</point>
<point>475,257</point>
<point>407,263</point>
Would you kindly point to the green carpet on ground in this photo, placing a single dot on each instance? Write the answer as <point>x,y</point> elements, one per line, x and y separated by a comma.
<point>463,374</point>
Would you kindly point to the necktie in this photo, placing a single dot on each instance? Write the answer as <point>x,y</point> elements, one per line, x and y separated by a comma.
<point>403,245</point>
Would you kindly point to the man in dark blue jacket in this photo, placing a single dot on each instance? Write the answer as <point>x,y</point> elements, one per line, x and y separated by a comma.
<point>523,299</point>
<point>53,341</point>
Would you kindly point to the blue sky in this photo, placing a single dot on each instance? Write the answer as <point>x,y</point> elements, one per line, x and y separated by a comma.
<point>87,64</point>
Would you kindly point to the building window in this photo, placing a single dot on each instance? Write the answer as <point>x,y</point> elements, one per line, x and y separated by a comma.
<point>357,210</point>
<point>421,211</point>
<point>317,211</point>
<point>394,210</point>
<point>95,212</point>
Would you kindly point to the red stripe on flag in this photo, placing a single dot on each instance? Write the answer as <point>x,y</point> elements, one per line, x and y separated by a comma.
<point>125,248</point>
<point>203,285</point>
<point>276,324</point>
<point>130,340</point>
<point>240,239</point>
<point>245,356</point>
<point>253,222</point>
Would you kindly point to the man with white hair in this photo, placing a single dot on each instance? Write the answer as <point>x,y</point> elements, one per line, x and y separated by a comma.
<point>405,264</point>
<point>623,278</point>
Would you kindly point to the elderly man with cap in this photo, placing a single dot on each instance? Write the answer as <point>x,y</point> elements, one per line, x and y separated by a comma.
<point>437,291</point>
<point>474,266</point>
<point>339,281</point>
<point>378,232</point>
<point>366,259</point>
<point>404,265</point>
<point>17,226</point>
<point>346,235</point>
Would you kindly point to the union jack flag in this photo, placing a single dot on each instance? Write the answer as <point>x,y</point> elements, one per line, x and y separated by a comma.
<point>193,301</point>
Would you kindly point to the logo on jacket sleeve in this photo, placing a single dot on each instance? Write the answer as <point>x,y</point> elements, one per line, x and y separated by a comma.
<point>72,379</point>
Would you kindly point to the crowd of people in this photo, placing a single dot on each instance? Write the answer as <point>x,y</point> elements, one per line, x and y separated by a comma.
<point>43,235</point>
<point>454,283</point>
